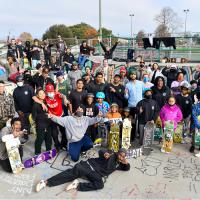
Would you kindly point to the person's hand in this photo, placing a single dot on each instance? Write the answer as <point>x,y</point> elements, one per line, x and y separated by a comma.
<point>66,102</point>
<point>100,114</point>
<point>141,110</point>
<point>198,68</point>
<point>50,115</point>
<point>44,107</point>
<point>152,121</point>
<point>21,114</point>
<point>107,155</point>
<point>112,89</point>
<point>126,91</point>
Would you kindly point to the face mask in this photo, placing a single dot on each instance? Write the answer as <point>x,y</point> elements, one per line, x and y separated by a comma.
<point>50,95</point>
<point>20,84</point>
<point>146,79</point>
<point>79,114</point>
<point>148,96</point>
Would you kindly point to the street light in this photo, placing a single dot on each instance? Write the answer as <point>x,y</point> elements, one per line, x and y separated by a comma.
<point>131,15</point>
<point>100,26</point>
<point>186,12</point>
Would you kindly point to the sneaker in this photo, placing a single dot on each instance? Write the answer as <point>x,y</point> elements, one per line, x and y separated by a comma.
<point>73,185</point>
<point>197,155</point>
<point>42,184</point>
<point>192,149</point>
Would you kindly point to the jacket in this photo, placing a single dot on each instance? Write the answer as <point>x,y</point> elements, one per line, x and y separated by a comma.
<point>108,54</point>
<point>195,115</point>
<point>172,113</point>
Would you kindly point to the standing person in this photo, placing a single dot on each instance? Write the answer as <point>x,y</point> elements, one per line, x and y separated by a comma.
<point>20,52</point>
<point>27,52</point>
<point>40,117</point>
<point>113,116</point>
<point>74,74</point>
<point>108,51</point>
<point>87,77</point>
<point>68,59</point>
<point>47,51</point>
<point>184,101</point>
<point>61,47</point>
<point>115,92</point>
<point>160,91</point>
<point>35,49</point>
<point>54,67</point>
<point>97,85</point>
<point>12,50</point>
<point>146,80</point>
<point>171,112</point>
<point>102,105</point>
<point>123,74</point>
<point>14,130</point>
<point>85,52</point>
<point>94,169</point>
<point>7,106</point>
<point>155,72</point>
<point>75,129</point>
<point>148,110</point>
<point>91,110</point>
<point>77,96</point>
<point>54,103</point>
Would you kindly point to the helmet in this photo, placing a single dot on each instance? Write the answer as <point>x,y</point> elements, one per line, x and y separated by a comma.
<point>127,109</point>
<point>19,78</point>
<point>114,104</point>
<point>185,85</point>
<point>100,95</point>
<point>49,88</point>
<point>146,89</point>
<point>90,95</point>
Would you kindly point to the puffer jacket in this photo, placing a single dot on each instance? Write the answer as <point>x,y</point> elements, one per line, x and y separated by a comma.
<point>172,113</point>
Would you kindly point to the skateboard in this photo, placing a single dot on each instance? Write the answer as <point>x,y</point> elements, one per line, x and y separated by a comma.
<point>126,133</point>
<point>134,153</point>
<point>113,141</point>
<point>178,133</point>
<point>197,137</point>
<point>158,130</point>
<point>36,160</point>
<point>33,125</point>
<point>168,137</point>
<point>148,138</point>
<point>12,145</point>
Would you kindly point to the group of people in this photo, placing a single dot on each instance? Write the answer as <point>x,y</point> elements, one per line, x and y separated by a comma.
<point>70,107</point>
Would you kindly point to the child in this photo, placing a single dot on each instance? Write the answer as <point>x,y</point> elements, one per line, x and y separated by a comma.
<point>184,101</point>
<point>113,116</point>
<point>148,110</point>
<point>195,122</point>
<point>171,112</point>
<point>42,124</point>
<point>102,105</point>
<point>126,114</point>
<point>91,110</point>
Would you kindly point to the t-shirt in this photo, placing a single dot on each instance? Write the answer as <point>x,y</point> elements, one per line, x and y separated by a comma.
<point>55,105</point>
<point>35,53</point>
<point>64,87</point>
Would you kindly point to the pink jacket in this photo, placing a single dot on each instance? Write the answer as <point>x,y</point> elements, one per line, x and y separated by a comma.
<point>172,113</point>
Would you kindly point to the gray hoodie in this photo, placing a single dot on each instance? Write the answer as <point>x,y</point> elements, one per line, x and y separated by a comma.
<point>75,127</point>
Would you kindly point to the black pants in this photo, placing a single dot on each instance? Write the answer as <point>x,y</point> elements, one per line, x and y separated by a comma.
<point>47,59</point>
<point>133,113</point>
<point>81,169</point>
<point>54,133</point>
<point>141,133</point>
<point>43,135</point>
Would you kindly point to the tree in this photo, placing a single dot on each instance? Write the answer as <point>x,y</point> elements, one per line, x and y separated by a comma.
<point>162,31</point>
<point>167,21</point>
<point>106,32</point>
<point>25,37</point>
<point>139,37</point>
<point>90,33</point>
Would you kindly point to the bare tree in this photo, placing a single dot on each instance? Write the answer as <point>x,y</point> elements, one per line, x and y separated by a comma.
<point>162,31</point>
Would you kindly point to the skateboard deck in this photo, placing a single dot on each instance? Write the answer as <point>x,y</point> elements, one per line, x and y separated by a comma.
<point>168,137</point>
<point>113,141</point>
<point>148,138</point>
<point>197,137</point>
<point>102,136</point>
<point>134,153</point>
<point>126,133</point>
<point>158,133</point>
<point>178,133</point>
<point>12,145</point>
<point>36,160</point>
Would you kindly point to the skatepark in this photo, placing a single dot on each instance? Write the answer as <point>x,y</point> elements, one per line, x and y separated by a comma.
<point>157,176</point>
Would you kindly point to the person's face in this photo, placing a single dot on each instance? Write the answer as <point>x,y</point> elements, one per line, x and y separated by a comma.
<point>68,50</point>
<point>36,43</point>
<point>114,109</point>
<point>2,88</point>
<point>105,63</point>
<point>84,44</point>
<point>13,42</point>
<point>41,95</point>
<point>160,82</point>
<point>99,100</point>
<point>75,67</point>
<point>79,109</point>
<point>126,114</point>
<point>99,79</point>
<point>180,77</point>
<point>60,78</point>
<point>45,74</point>
<point>171,101</point>
<point>128,64</point>
<point>122,73</point>
<point>107,48</point>
<point>90,100</point>
<point>16,126</point>
<point>194,85</point>
<point>116,79</point>
<point>10,60</point>
<point>184,91</point>
<point>155,67</point>
<point>133,76</point>
<point>79,85</point>
<point>148,93</point>
<point>121,156</point>
<point>87,70</point>
<point>59,39</point>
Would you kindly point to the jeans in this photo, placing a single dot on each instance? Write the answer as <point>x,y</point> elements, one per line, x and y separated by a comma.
<point>81,60</point>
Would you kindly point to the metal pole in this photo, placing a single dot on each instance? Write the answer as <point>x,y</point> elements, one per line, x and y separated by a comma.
<point>100,25</point>
<point>186,12</point>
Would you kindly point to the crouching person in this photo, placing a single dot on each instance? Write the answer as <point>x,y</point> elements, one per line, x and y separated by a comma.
<point>75,129</point>
<point>94,169</point>
<point>14,130</point>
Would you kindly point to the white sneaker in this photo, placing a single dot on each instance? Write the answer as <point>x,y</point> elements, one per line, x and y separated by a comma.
<point>73,185</point>
<point>197,155</point>
<point>42,184</point>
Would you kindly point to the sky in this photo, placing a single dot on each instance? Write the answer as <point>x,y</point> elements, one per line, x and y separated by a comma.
<point>36,16</point>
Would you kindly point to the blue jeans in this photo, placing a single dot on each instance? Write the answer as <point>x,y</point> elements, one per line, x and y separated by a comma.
<point>76,148</point>
<point>81,60</point>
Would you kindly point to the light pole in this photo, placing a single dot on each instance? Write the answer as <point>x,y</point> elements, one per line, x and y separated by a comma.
<point>186,12</point>
<point>131,15</point>
<point>100,26</point>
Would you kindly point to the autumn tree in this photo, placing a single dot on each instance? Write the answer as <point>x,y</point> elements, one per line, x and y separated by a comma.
<point>90,33</point>
<point>25,37</point>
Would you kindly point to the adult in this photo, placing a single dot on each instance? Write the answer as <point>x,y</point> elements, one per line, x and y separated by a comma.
<point>20,52</point>
<point>7,106</point>
<point>94,169</point>
<point>75,129</point>
<point>77,96</point>
<point>160,91</point>
<point>68,59</point>
<point>155,72</point>
<point>35,49</point>
<point>60,49</point>
<point>47,51</point>
<point>171,72</point>
<point>74,74</point>
<point>27,52</point>
<point>12,50</point>
<point>87,77</point>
